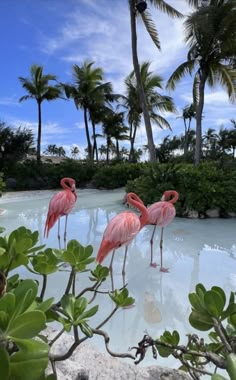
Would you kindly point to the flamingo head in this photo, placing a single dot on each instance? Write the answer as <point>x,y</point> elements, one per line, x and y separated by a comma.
<point>68,183</point>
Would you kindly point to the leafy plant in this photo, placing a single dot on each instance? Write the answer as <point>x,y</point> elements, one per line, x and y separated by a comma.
<point>25,350</point>
<point>210,312</point>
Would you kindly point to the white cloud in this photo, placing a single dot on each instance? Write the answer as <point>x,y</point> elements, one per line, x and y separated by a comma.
<point>10,101</point>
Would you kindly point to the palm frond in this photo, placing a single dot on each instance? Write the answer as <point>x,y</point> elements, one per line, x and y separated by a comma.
<point>166,8</point>
<point>160,121</point>
<point>183,69</point>
<point>26,97</point>
<point>223,75</point>
<point>151,28</point>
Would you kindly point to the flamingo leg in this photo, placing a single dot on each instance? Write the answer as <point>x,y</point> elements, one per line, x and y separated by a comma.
<point>58,234</point>
<point>65,232</point>
<point>111,270</point>
<point>162,269</point>
<point>152,264</point>
<point>124,262</point>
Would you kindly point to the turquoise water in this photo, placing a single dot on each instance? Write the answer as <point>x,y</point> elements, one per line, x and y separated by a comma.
<point>194,251</point>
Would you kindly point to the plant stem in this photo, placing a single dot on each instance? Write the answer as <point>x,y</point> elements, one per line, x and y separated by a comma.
<point>44,285</point>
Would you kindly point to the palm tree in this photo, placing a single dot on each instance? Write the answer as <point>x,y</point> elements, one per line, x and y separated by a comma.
<point>188,113</point>
<point>87,91</point>
<point>74,151</point>
<point>211,38</point>
<point>155,102</point>
<point>39,88</point>
<point>139,7</point>
<point>209,141</point>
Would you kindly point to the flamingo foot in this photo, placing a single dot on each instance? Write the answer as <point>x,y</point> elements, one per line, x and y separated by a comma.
<point>153,265</point>
<point>164,270</point>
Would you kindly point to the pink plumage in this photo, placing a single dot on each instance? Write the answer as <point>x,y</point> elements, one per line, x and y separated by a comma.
<point>61,204</point>
<point>121,230</point>
<point>161,214</point>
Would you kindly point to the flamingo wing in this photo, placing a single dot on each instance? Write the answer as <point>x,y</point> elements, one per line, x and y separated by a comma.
<point>161,213</point>
<point>121,230</point>
<point>60,204</point>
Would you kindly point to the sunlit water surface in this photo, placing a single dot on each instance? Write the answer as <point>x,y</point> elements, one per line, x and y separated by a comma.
<point>194,251</point>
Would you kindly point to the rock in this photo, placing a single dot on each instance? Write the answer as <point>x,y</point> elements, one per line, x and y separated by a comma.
<point>231,214</point>
<point>88,363</point>
<point>189,213</point>
<point>213,213</point>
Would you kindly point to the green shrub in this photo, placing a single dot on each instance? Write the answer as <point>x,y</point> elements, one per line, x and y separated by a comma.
<point>200,187</point>
<point>25,313</point>
<point>115,176</point>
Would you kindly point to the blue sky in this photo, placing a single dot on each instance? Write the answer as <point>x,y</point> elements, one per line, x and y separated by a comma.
<point>59,33</point>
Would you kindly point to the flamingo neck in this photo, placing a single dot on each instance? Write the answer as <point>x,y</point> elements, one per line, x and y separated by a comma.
<point>135,201</point>
<point>170,193</point>
<point>67,184</point>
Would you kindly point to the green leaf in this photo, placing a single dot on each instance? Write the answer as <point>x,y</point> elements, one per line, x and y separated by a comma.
<point>7,303</point>
<point>214,303</point>
<point>86,329</point>
<point>30,361</point>
<point>68,305</point>
<point>26,325</point>
<point>231,366</point>
<point>232,320</point>
<point>196,302</point>
<point>89,313</point>
<point>45,305</point>
<point>25,293</point>
<point>200,321</point>
<point>5,367</point>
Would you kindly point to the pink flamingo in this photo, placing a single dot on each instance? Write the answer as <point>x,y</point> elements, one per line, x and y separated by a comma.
<point>121,230</point>
<point>60,205</point>
<point>161,214</point>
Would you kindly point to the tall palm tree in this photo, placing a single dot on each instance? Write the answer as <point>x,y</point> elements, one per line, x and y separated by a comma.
<point>39,88</point>
<point>211,38</point>
<point>139,7</point>
<point>188,113</point>
<point>155,102</point>
<point>87,90</point>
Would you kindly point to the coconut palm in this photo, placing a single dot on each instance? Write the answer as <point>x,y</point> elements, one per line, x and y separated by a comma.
<point>188,113</point>
<point>39,88</point>
<point>74,151</point>
<point>139,7</point>
<point>210,138</point>
<point>155,102</point>
<point>211,37</point>
<point>87,90</point>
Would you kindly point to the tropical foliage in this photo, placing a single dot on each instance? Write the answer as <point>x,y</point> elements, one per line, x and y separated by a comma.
<point>25,350</point>
<point>210,311</point>
<point>211,37</point>
<point>137,9</point>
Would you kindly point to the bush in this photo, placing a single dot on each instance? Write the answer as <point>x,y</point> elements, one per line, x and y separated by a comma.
<point>115,176</point>
<point>25,313</point>
<point>200,187</point>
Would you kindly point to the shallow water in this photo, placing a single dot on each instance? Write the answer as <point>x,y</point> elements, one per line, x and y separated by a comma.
<point>194,251</point>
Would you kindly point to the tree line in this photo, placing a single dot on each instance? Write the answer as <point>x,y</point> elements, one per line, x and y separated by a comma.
<point>210,35</point>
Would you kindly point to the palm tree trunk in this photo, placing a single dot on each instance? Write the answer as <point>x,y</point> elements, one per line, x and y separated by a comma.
<point>95,148</point>
<point>199,110</point>
<point>132,141</point>
<point>185,138</point>
<point>87,134</point>
<point>39,133</point>
<point>117,149</point>
<point>142,97</point>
